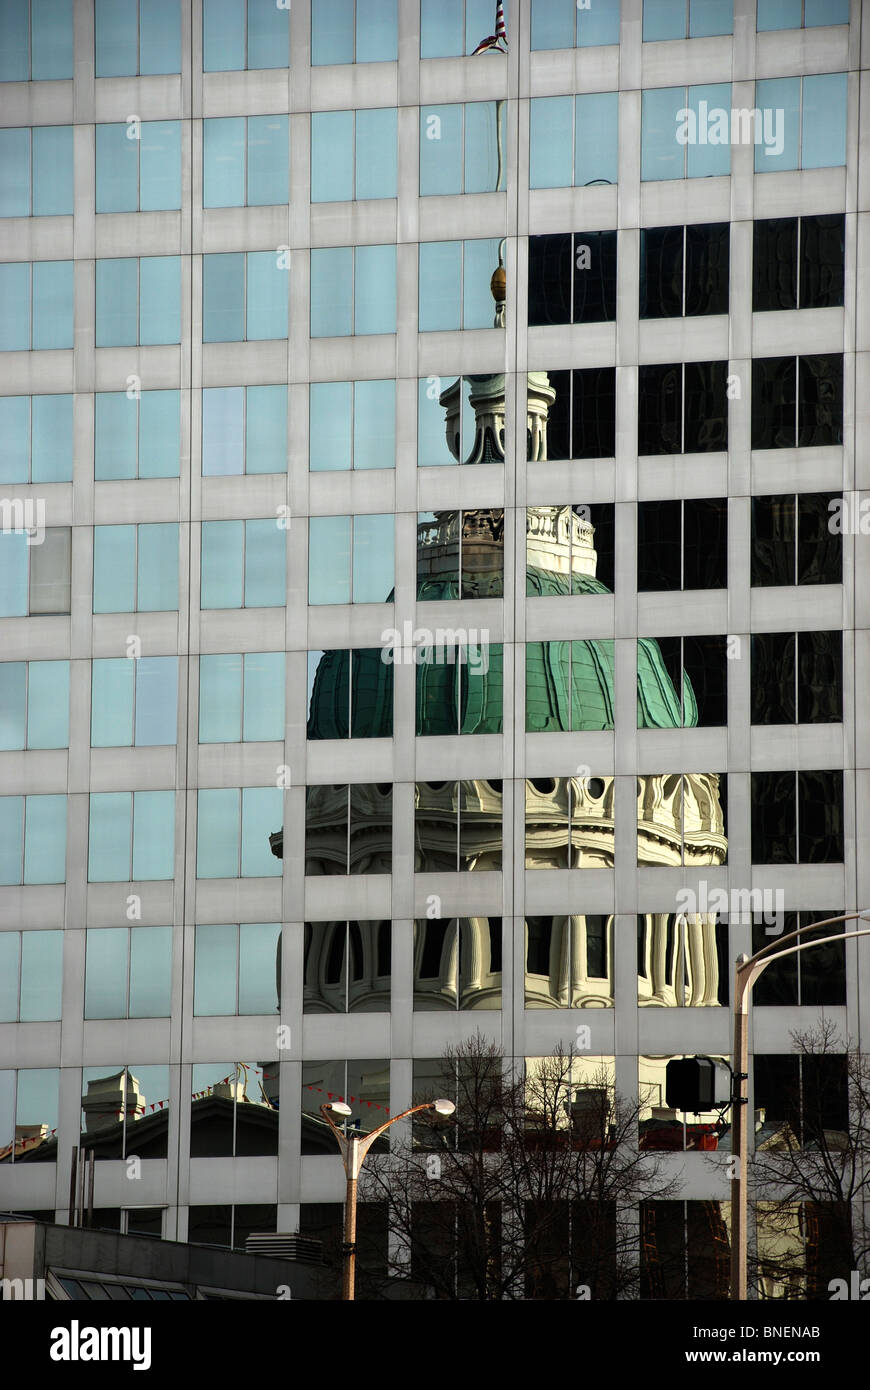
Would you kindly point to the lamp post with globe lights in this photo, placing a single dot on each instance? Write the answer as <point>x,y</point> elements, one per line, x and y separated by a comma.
<point>353,1149</point>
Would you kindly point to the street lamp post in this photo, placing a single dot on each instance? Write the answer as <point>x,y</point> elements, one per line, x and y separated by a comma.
<point>353,1151</point>
<point>747,971</point>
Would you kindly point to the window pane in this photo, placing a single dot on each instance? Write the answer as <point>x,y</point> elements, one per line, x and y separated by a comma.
<point>223,35</point>
<point>441,28</point>
<point>329,559</point>
<point>117,302</point>
<point>50,572</point>
<point>159,434</point>
<point>268,291</point>
<point>13,705</point>
<point>159,36</point>
<point>268,34</point>
<point>441,149</point>
<point>52,170</point>
<point>332,292</point>
<point>705,158</point>
<point>153,835</point>
<point>223,431</point>
<point>551,142</point>
<point>223,162</point>
<point>14,307</point>
<point>115,435</point>
<point>222,564</point>
<point>661,156</point>
<point>156,700</point>
<point>266,429</point>
<point>332,24</point>
<point>158,567</point>
<point>48,704</point>
<point>268,155</point>
<point>109,836</point>
<point>45,839</point>
<point>262,813</point>
<point>778,14</point>
<point>664,19</point>
<point>265,564</point>
<point>112,686</point>
<point>115,32</point>
<point>259,944</point>
<point>710,17</point>
<point>373,558</point>
<point>15,432</point>
<point>150,972</point>
<point>52,304</point>
<point>329,425</point>
<point>441,285</point>
<point>114,569</point>
<point>823,121</point>
<point>52,425</point>
<point>220,699</point>
<point>331,156</point>
<point>264,695</point>
<point>10,949</point>
<point>552,24</point>
<point>41,975</point>
<point>778,148</point>
<point>160,299</point>
<point>106,971</point>
<point>375,289</point>
<point>376,31</point>
<point>480,259</point>
<point>223,298</point>
<point>15,173</point>
<point>14,42</point>
<point>376,153</point>
<point>14,564</point>
<point>825,12</point>
<point>216,965</point>
<point>374,424</point>
<point>11,838</point>
<point>160,165</point>
<point>596,141</point>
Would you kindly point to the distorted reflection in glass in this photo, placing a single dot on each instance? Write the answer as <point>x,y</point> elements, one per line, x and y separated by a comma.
<point>569,962</point>
<point>661,1127</point>
<point>347,967</point>
<point>350,694</point>
<point>681,818</point>
<point>572,414</point>
<point>685,1250</point>
<point>570,550</point>
<point>460,554</point>
<point>457,826</point>
<point>349,829</point>
<point>460,688</point>
<point>457,963</point>
<point>569,822</point>
<point>569,1098</point>
<point>29,1115</point>
<point>682,961</point>
<point>569,685</point>
<point>694,666</point>
<point>364,1085</point>
<point>234,1109</point>
<point>462,148</point>
<point>125,1110</point>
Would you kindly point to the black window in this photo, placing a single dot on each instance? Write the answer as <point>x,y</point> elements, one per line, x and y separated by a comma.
<point>572,278</point>
<point>797,401</point>
<point>794,540</point>
<point>682,407</point>
<point>809,1094</point>
<point>816,977</point>
<point>797,677</point>
<point>797,817</point>
<point>349,829</point>
<point>798,263</point>
<point>682,545</point>
<point>684,270</point>
<point>697,668</point>
<point>582,415</point>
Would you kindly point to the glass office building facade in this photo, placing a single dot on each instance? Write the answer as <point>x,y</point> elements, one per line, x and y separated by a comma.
<point>541,298</point>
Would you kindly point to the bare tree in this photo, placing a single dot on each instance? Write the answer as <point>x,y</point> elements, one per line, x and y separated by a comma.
<point>530,1191</point>
<point>810,1174</point>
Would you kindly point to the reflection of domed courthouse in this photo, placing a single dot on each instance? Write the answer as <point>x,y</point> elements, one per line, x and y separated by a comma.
<point>569,688</point>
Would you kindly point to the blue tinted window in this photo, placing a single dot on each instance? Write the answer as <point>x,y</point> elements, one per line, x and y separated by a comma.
<point>266,429</point>
<point>453,27</point>
<point>159,165</point>
<point>245,161</point>
<point>374,424</point>
<point>376,132</point>
<point>216,965</point>
<point>134,701</point>
<point>15,41</point>
<point>150,972</point>
<point>156,700</point>
<point>373,574</point>
<point>264,696</point>
<point>15,432</point>
<point>160,299</point>
<point>551,142</point>
<point>223,431</point>
<point>159,434</point>
<point>220,698</point>
<point>374,289</point>
<point>107,971</point>
<point>664,19</point>
<point>266,310</point>
<point>330,426</point>
<point>117,176</point>
<point>14,306</point>
<point>223,297</point>
<point>14,564</point>
<point>37,435</point>
<point>329,559</point>
<point>344,32</point>
<point>109,836</point>
<point>52,304</point>
<point>818,12</point>
<point>218,826</point>
<point>662,156</point>
<point>268,34</point>
<point>778,14</point>
<point>223,35</point>
<point>223,162</point>
<point>137,36</point>
<point>112,690</point>
<point>157,589</point>
<point>15,173</point>
<point>137,438</point>
<point>45,839</point>
<point>332,161</point>
<point>11,839</point>
<point>117,301</point>
<point>778,102</point>
<point>596,140</point>
<point>553,23</point>
<point>51,30</point>
<point>440,293</point>
<point>237,35</point>
<point>13,704</point>
<point>823,121</point>
<point>153,834</point>
<point>159,36</point>
<point>262,813</point>
<point>710,17</point>
<point>332,32</point>
<point>268,155</point>
<point>41,975</point>
<point>332,292</point>
<point>265,564</point>
<point>707,104</point>
<point>114,569</point>
<point>223,564</point>
<point>47,704</point>
<point>52,170</point>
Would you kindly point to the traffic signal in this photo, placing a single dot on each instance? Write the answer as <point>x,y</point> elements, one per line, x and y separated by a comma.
<point>696,1084</point>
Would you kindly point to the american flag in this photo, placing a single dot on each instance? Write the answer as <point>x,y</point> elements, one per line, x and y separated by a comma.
<point>498,38</point>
